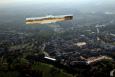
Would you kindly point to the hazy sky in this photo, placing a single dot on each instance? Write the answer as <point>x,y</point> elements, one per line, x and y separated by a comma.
<point>7,2</point>
<point>50,1</point>
<point>12,1</point>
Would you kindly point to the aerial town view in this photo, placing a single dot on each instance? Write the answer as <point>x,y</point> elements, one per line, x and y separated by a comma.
<point>57,38</point>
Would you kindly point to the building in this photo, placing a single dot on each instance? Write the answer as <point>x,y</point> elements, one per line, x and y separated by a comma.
<point>48,19</point>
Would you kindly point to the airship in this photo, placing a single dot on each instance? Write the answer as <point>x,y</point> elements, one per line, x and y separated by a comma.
<point>48,19</point>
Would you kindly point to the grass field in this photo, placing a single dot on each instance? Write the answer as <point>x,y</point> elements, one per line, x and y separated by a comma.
<point>50,70</point>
